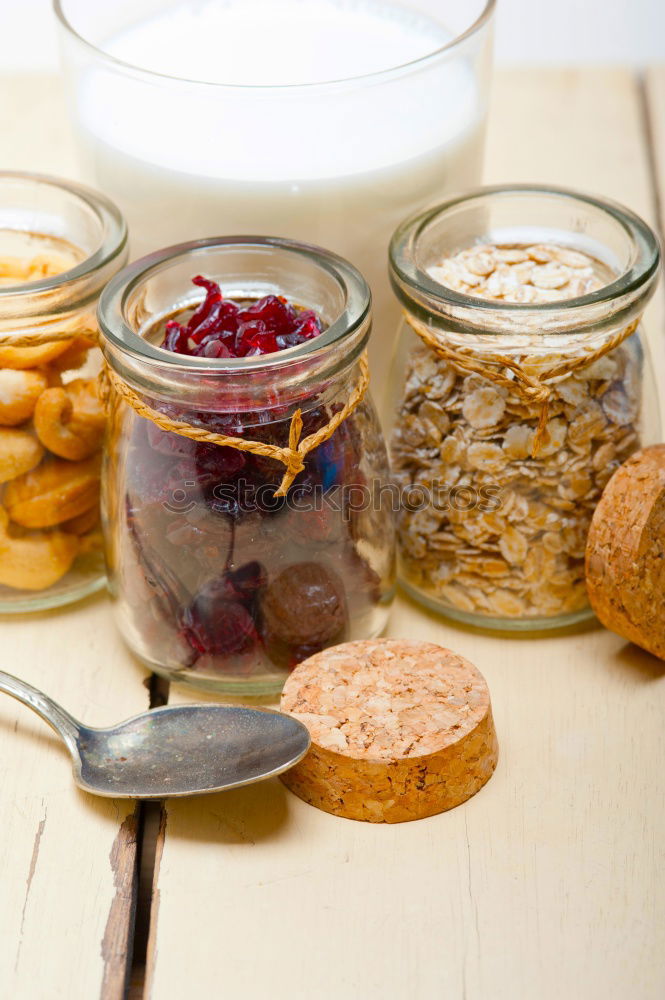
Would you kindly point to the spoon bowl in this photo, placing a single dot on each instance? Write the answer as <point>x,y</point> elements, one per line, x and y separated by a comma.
<point>188,750</point>
<point>173,751</point>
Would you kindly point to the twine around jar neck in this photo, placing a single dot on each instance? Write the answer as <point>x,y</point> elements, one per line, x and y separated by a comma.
<point>532,389</point>
<point>291,455</point>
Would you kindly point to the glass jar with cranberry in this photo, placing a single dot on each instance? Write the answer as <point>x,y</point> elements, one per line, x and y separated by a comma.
<point>225,569</point>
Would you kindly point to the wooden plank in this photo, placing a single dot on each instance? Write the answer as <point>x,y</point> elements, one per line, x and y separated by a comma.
<point>67,859</point>
<point>549,883</point>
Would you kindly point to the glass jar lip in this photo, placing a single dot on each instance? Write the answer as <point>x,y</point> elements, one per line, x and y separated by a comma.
<point>406,274</point>
<point>118,333</point>
<point>476,26</point>
<point>113,243</point>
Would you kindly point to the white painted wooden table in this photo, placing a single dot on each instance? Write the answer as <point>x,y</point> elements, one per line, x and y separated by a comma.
<point>548,884</point>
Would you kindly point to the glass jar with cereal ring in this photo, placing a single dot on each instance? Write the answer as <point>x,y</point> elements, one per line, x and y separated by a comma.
<point>521,383</point>
<point>59,245</point>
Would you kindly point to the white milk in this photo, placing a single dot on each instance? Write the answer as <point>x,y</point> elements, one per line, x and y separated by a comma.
<point>334,163</point>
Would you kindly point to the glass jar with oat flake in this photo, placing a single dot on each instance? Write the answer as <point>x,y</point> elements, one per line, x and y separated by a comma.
<point>59,245</point>
<point>521,383</point>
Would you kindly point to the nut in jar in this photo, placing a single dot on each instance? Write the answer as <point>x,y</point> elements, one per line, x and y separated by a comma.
<point>51,416</point>
<point>523,385</point>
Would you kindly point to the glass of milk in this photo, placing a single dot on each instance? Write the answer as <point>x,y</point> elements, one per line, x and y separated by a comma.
<point>327,121</point>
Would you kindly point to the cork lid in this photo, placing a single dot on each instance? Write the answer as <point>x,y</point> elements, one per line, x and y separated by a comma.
<point>625,555</point>
<point>400,729</point>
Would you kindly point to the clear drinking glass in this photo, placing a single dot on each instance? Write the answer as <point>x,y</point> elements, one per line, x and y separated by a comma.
<point>217,582</point>
<point>328,160</point>
<point>499,485</point>
<point>59,245</point>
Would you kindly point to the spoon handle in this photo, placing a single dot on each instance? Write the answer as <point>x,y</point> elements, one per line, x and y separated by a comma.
<point>49,710</point>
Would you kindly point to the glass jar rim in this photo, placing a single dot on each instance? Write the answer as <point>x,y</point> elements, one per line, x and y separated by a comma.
<point>112,245</point>
<point>111,311</point>
<point>483,18</point>
<point>406,275</point>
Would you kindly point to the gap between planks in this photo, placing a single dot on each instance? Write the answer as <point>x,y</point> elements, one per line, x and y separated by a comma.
<point>150,835</point>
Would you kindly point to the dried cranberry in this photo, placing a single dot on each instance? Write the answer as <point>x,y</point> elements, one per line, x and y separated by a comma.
<point>285,340</point>
<point>176,338</point>
<point>261,343</point>
<point>307,325</point>
<point>215,349</point>
<point>273,310</point>
<point>213,296</point>
<point>222,316</point>
<point>215,624</point>
<point>221,328</point>
<point>218,463</point>
<point>247,332</point>
<point>168,443</point>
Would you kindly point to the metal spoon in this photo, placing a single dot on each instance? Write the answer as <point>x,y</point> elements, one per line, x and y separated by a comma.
<point>173,751</point>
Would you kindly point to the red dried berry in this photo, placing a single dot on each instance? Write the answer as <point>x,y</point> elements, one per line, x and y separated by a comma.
<point>215,349</point>
<point>221,328</point>
<point>176,338</point>
<point>214,624</point>
<point>218,463</point>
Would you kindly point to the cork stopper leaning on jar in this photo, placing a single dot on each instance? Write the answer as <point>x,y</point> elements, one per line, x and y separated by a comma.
<point>241,494</point>
<point>521,384</point>
<point>59,244</point>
